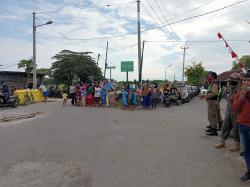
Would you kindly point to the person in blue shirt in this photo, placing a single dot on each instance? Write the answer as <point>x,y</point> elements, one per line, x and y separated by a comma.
<point>4,92</point>
<point>133,97</point>
<point>104,93</point>
<point>124,99</point>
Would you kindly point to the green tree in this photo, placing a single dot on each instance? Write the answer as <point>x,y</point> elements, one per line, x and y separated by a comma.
<point>71,66</point>
<point>195,74</point>
<point>244,60</point>
<point>45,71</point>
<point>48,75</point>
<point>27,65</point>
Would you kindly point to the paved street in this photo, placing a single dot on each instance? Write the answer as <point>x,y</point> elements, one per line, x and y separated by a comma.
<point>105,147</point>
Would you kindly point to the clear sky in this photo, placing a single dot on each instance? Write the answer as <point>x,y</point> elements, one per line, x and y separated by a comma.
<point>88,19</point>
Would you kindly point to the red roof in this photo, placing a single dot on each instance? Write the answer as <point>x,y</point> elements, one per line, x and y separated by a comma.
<point>225,75</point>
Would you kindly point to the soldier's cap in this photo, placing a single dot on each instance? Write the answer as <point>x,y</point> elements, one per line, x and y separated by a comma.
<point>247,75</point>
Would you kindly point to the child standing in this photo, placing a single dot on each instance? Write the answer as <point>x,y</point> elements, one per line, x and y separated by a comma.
<point>65,98</point>
<point>112,98</point>
<point>90,91</point>
<point>97,94</point>
<point>84,94</point>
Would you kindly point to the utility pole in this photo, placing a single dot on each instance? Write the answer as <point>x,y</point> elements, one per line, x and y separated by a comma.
<point>142,57</point>
<point>98,58</point>
<point>34,47</point>
<point>139,39</point>
<point>165,73</point>
<point>183,67</point>
<point>106,60</point>
<point>34,51</point>
<point>110,72</point>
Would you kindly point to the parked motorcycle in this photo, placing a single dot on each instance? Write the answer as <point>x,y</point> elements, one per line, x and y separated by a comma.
<point>12,101</point>
<point>166,99</point>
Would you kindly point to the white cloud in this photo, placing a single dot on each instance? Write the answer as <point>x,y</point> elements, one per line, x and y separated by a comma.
<point>74,20</point>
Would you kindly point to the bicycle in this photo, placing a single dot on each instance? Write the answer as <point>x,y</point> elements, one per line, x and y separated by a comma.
<point>28,98</point>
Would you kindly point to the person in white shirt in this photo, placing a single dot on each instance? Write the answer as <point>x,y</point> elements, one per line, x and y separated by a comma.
<point>44,92</point>
<point>97,94</point>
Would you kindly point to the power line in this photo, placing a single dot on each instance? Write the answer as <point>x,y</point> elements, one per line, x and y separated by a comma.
<point>5,67</point>
<point>171,29</point>
<point>159,27</point>
<point>158,17</point>
<point>15,62</point>
<point>150,15</point>
<point>194,41</point>
<point>198,7</point>
<point>122,49</point>
<point>196,16</point>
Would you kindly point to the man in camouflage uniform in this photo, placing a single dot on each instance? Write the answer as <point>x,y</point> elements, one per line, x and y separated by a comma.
<point>229,123</point>
<point>213,102</point>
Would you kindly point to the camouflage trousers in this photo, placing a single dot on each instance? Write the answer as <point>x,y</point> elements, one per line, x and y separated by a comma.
<point>214,116</point>
<point>230,125</point>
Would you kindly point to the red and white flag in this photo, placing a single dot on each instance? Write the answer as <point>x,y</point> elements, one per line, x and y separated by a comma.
<point>233,53</point>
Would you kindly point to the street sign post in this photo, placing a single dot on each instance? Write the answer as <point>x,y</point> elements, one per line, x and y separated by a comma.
<point>127,66</point>
<point>110,68</point>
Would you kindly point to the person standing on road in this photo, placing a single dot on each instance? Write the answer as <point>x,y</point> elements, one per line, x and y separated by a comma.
<point>72,90</point>
<point>84,94</point>
<point>97,95</point>
<point>44,92</point>
<point>241,106</point>
<point>146,96</point>
<point>212,96</point>
<point>155,95</point>
<point>65,98</point>
<point>104,93</point>
<point>124,99</point>
<point>229,122</point>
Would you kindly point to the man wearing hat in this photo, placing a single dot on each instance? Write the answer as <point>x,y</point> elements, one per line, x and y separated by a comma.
<point>241,106</point>
<point>229,122</point>
<point>213,96</point>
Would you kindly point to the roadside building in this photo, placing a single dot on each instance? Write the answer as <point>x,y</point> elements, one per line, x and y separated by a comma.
<point>19,80</point>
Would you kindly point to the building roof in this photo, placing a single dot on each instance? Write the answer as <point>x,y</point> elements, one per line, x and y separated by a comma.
<point>19,73</point>
<point>225,75</point>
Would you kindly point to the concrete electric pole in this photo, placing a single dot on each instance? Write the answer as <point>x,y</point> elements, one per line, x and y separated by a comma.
<point>106,60</point>
<point>34,48</point>
<point>98,58</point>
<point>34,51</point>
<point>183,67</point>
<point>139,40</point>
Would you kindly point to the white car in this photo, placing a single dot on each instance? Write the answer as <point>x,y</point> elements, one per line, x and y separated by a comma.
<point>203,91</point>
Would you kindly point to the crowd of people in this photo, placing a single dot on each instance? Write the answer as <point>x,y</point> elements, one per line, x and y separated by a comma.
<point>107,93</point>
<point>237,115</point>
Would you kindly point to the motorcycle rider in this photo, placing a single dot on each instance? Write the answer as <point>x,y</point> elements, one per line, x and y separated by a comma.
<point>4,93</point>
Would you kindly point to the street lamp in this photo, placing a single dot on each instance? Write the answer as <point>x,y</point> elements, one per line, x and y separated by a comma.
<point>166,71</point>
<point>34,47</point>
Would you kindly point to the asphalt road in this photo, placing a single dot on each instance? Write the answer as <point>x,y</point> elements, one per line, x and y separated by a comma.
<point>105,147</point>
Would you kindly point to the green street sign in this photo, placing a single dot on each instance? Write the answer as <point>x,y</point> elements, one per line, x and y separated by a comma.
<point>127,66</point>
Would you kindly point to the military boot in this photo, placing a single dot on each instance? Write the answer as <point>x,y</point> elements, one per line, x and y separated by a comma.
<point>235,147</point>
<point>221,144</point>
